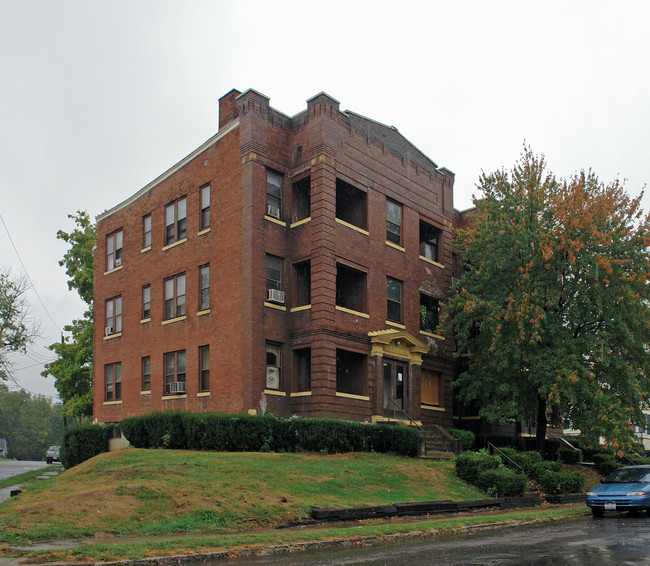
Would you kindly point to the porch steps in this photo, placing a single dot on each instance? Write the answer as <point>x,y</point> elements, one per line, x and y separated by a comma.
<point>437,444</point>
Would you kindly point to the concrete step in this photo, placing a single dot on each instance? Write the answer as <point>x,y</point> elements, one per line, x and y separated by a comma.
<point>438,455</point>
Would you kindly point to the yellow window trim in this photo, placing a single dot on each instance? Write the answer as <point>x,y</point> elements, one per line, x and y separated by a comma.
<point>433,408</point>
<point>144,250</point>
<point>300,222</point>
<point>276,307</point>
<point>203,394</point>
<point>351,396</point>
<point>356,228</point>
<point>113,402</point>
<point>396,324</point>
<point>144,320</point>
<point>350,311</point>
<point>275,392</point>
<point>111,336</point>
<point>204,231</point>
<point>432,262</point>
<point>168,397</point>
<point>275,221</point>
<point>147,392</point>
<point>392,245</point>
<point>114,269</point>
<point>301,394</point>
<point>172,320</point>
<point>174,244</point>
<point>432,335</point>
<point>202,313</point>
<point>302,308</point>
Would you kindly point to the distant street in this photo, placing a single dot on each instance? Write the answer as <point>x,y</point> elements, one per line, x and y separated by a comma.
<point>10,468</point>
<point>614,540</point>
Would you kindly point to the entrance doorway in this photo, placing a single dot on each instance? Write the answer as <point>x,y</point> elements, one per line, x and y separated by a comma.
<point>394,386</point>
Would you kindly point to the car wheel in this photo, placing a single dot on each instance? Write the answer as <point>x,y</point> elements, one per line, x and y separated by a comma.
<point>597,511</point>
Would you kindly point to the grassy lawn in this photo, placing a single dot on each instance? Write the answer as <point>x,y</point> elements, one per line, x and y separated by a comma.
<point>153,492</point>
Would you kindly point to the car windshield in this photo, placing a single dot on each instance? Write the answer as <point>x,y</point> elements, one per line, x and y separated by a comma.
<point>627,475</point>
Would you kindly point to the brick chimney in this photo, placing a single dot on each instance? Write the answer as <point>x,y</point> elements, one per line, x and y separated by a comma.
<point>228,107</point>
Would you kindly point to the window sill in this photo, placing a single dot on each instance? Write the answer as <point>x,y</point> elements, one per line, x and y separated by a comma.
<point>396,247</point>
<point>204,231</point>
<point>302,308</point>
<point>355,228</point>
<point>350,311</point>
<point>119,402</point>
<point>203,394</point>
<point>203,312</point>
<point>172,320</point>
<point>174,244</point>
<point>432,262</point>
<point>300,222</point>
<point>114,269</point>
<point>301,394</point>
<point>111,336</point>
<point>431,335</point>
<point>147,392</point>
<point>145,320</point>
<point>276,307</point>
<point>168,397</point>
<point>275,392</point>
<point>433,408</point>
<point>396,324</point>
<point>275,221</point>
<point>145,250</point>
<point>351,396</point>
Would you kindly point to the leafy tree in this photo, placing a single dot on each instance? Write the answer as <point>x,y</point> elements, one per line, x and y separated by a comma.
<point>29,423</point>
<point>553,306</point>
<point>72,370</point>
<point>15,329</point>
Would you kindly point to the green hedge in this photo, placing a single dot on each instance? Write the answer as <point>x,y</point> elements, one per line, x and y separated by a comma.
<point>606,463</point>
<point>525,460</point>
<point>521,444</point>
<point>569,456</point>
<point>501,482</point>
<point>246,433</point>
<point>82,442</point>
<point>557,483</point>
<point>467,437</point>
<point>469,464</point>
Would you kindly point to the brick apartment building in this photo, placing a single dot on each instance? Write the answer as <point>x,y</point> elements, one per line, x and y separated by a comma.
<point>293,265</point>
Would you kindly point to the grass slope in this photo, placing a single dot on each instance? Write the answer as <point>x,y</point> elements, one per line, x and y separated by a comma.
<point>143,492</point>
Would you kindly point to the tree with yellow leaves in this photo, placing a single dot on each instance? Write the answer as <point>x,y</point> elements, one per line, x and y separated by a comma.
<point>553,306</point>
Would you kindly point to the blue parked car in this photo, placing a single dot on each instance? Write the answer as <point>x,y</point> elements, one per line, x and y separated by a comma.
<point>625,489</point>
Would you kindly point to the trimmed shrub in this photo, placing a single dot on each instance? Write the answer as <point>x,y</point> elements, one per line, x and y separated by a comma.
<point>522,444</point>
<point>569,456</point>
<point>606,463</point>
<point>542,467</point>
<point>268,433</point>
<point>467,437</point>
<point>557,483</point>
<point>469,464</point>
<point>501,482</point>
<point>82,442</point>
<point>525,460</point>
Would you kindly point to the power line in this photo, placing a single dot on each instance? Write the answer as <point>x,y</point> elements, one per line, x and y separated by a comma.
<point>27,275</point>
<point>9,375</point>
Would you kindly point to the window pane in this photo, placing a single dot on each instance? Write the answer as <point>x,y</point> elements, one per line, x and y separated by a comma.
<point>118,240</point>
<point>205,197</point>
<point>180,285</point>
<point>394,213</point>
<point>205,357</point>
<point>169,215</point>
<point>181,361</point>
<point>118,306</point>
<point>394,290</point>
<point>146,365</point>
<point>169,364</point>
<point>146,295</point>
<point>182,208</point>
<point>272,355</point>
<point>110,245</point>
<point>109,309</point>
<point>169,289</point>
<point>205,277</point>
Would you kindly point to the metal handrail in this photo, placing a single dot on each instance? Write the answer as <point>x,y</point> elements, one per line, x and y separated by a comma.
<point>405,413</point>
<point>560,438</point>
<point>490,445</point>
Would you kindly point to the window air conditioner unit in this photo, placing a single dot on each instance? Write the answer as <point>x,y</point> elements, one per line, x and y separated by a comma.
<point>176,387</point>
<point>273,211</point>
<point>108,331</point>
<point>118,261</point>
<point>272,377</point>
<point>275,296</point>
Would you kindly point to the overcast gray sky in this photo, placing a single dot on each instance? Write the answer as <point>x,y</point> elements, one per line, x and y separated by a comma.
<point>99,98</point>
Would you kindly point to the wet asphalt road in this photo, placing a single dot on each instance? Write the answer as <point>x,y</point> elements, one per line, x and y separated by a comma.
<point>10,468</point>
<point>615,540</point>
